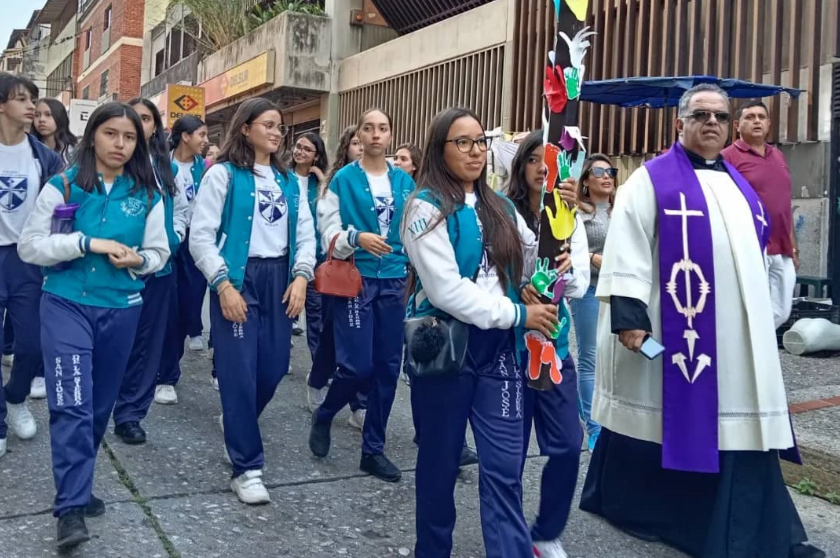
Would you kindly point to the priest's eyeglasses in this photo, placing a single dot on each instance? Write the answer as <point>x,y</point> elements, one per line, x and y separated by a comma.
<point>465,145</point>
<point>600,172</point>
<point>706,115</point>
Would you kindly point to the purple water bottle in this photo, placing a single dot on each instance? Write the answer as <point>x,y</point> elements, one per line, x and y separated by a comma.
<point>62,223</point>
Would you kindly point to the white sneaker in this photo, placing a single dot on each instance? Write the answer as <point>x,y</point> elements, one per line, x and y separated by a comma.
<point>216,383</point>
<point>166,395</point>
<point>549,549</point>
<point>315,397</point>
<point>8,360</point>
<point>195,344</point>
<point>250,489</point>
<point>38,389</point>
<point>357,418</point>
<point>2,447</point>
<point>21,421</point>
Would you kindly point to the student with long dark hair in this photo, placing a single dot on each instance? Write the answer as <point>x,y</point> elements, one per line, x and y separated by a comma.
<point>471,251</point>
<point>323,361</point>
<point>188,140</point>
<point>25,166</point>
<point>258,278</point>
<point>157,316</point>
<point>52,128</point>
<point>92,295</point>
<point>553,412</point>
<point>361,209</point>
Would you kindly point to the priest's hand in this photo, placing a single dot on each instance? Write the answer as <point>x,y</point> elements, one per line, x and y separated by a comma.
<point>632,339</point>
<point>543,318</point>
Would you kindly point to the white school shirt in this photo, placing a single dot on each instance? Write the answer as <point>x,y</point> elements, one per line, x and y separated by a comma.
<point>383,198</point>
<point>20,182</point>
<point>270,229</point>
<point>186,187</point>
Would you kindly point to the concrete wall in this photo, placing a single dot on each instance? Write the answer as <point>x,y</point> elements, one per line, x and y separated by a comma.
<point>471,31</point>
<point>302,52</point>
<point>62,46</point>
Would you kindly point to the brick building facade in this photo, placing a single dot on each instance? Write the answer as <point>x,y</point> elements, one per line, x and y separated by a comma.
<point>109,50</point>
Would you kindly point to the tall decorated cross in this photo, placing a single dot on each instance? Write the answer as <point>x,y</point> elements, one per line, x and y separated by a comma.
<point>564,157</point>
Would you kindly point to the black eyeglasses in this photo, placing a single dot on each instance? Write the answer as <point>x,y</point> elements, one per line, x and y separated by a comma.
<point>304,149</point>
<point>465,145</point>
<point>706,115</point>
<point>599,172</point>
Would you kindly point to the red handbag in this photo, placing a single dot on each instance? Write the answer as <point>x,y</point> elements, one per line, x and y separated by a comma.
<point>338,277</point>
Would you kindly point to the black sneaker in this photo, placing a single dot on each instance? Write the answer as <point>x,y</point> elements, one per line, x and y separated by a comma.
<point>72,530</point>
<point>319,438</point>
<point>296,329</point>
<point>468,456</point>
<point>380,467</point>
<point>131,433</point>
<point>802,550</point>
<point>95,507</point>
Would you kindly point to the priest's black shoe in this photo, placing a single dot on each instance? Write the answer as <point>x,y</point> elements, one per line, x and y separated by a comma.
<point>806,551</point>
<point>131,433</point>
<point>95,507</point>
<point>72,530</point>
<point>319,439</point>
<point>380,467</point>
<point>468,456</point>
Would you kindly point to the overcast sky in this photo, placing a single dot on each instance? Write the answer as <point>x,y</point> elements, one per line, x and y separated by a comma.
<point>16,14</point>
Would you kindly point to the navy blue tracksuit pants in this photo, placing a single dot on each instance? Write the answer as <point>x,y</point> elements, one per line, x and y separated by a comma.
<point>368,346</point>
<point>251,358</point>
<point>20,298</point>
<point>138,385</point>
<point>489,394</point>
<point>559,434</point>
<point>321,340</point>
<point>86,350</point>
<point>191,288</point>
<point>8,336</point>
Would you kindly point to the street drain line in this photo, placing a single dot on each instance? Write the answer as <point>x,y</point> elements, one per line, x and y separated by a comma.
<point>142,502</point>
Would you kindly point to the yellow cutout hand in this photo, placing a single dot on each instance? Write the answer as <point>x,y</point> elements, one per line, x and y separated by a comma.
<point>563,221</point>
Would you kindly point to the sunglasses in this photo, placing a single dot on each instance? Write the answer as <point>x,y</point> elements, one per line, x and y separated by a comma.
<point>706,115</point>
<point>600,172</point>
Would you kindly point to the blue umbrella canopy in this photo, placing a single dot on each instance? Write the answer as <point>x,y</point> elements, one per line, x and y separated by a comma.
<point>659,92</point>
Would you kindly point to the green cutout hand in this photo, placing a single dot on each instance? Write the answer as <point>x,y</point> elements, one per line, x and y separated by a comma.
<point>572,82</point>
<point>544,277</point>
<point>564,165</point>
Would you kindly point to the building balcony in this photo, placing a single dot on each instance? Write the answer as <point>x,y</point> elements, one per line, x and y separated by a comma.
<point>286,60</point>
<point>184,71</point>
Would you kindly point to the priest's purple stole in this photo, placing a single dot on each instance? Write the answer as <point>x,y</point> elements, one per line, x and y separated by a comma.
<point>687,276</point>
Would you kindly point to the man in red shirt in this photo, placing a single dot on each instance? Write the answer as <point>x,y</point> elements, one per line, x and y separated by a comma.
<point>765,168</point>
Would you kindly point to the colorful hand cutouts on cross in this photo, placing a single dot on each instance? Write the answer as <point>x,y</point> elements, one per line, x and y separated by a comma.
<point>542,351</point>
<point>544,278</point>
<point>552,155</point>
<point>561,219</point>
<point>554,87</point>
<point>578,7</point>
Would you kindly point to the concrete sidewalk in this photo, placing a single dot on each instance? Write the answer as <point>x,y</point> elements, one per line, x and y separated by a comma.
<point>170,498</point>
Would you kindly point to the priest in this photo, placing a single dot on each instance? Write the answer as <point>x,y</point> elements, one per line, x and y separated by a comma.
<point>691,440</point>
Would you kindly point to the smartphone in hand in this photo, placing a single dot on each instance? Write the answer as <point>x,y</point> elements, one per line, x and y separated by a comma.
<point>651,348</point>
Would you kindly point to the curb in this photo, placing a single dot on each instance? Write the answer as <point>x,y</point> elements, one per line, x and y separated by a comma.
<point>822,468</point>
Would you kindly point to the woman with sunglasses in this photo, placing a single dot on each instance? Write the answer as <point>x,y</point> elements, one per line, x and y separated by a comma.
<point>553,413</point>
<point>92,297</point>
<point>471,251</point>
<point>323,360</point>
<point>596,194</point>
<point>361,210</point>
<point>258,276</point>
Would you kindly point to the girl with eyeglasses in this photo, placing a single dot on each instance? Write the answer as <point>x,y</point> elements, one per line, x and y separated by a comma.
<point>158,315</point>
<point>188,140</point>
<point>554,412</point>
<point>596,194</point>
<point>255,243</point>
<point>471,252</point>
<point>361,209</point>
<point>92,297</point>
<point>323,360</point>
